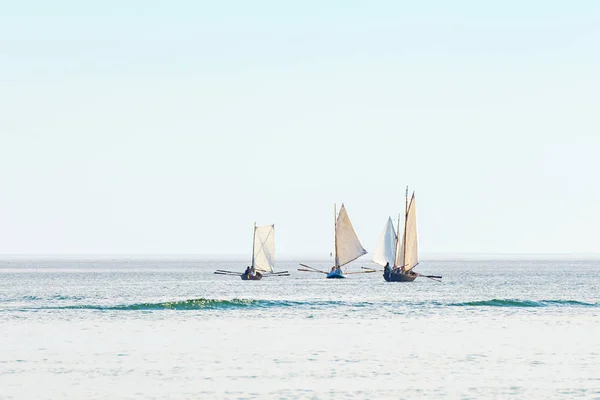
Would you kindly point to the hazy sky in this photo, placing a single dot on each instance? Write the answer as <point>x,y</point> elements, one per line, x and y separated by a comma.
<point>170,127</point>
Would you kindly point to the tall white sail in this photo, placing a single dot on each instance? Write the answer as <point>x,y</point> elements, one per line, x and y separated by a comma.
<point>386,248</point>
<point>264,248</point>
<point>399,252</point>
<point>348,247</point>
<point>411,251</point>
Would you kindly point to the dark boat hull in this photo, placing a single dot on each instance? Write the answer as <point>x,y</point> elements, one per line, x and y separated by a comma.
<point>337,274</point>
<point>393,276</point>
<point>248,277</point>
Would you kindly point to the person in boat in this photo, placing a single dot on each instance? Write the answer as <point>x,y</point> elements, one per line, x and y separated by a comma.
<point>252,271</point>
<point>248,270</point>
<point>332,269</point>
<point>387,268</point>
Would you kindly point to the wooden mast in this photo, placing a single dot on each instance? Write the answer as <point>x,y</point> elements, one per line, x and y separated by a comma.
<point>404,238</point>
<point>335,259</point>
<point>253,237</point>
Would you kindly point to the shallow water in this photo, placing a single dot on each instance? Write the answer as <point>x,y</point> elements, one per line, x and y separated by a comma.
<point>109,329</point>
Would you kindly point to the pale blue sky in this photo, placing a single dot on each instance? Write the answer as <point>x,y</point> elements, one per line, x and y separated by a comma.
<point>169,127</point>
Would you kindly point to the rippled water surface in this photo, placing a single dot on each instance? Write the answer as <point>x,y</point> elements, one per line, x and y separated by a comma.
<point>171,329</point>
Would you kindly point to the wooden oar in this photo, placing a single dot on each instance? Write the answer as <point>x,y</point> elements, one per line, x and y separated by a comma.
<point>228,274</point>
<point>371,269</point>
<point>317,270</point>
<point>359,272</point>
<point>274,275</point>
<point>279,272</point>
<point>310,270</point>
<point>432,277</point>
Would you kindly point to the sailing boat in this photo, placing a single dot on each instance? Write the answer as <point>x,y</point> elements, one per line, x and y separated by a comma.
<point>347,246</point>
<point>263,256</point>
<point>401,253</point>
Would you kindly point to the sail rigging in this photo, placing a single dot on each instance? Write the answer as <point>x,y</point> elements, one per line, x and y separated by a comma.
<point>400,251</point>
<point>347,245</point>
<point>386,248</point>
<point>263,253</point>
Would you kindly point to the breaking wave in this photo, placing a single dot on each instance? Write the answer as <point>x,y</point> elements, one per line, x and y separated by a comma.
<point>192,304</point>
<point>232,304</point>
<point>216,304</point>
<point>523,303</point>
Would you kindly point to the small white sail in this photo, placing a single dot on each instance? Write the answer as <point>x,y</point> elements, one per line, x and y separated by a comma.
<point>348,247</point>
<point>264,248</point>
<point>399,250</point>
<point>386,248</point>
<point>411,256</point>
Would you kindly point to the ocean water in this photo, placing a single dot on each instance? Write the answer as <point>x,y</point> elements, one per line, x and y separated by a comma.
<point>171,329</point>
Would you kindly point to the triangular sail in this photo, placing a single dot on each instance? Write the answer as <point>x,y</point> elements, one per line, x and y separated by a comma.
<point>264,248</point>
<point>399,247</point>
<point>386,248</point>
<point>399,252</point>
<point>348,246</point>
<point>411,256</point>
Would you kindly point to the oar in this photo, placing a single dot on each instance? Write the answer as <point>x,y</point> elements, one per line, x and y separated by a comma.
<point>317,270</point>
<point>359,272</point>
<point>279,272</point>
<point>432,277</point>
<point>371,269</point>
<point>310,270</point>
<point>275,275</point>
<point>228,274</point>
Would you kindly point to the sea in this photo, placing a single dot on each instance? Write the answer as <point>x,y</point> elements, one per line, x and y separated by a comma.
<point>171,329</point>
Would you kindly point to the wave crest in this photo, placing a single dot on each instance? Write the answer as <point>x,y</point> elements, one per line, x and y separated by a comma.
<point>191,304</point>
<point>523,303</point>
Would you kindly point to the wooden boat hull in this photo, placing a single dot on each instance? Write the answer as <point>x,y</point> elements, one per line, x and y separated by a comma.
<point>337,274</point>
<point>248,277</point>
<point>393,276</point>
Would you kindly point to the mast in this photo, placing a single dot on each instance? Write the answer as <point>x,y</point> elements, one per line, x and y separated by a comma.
<point>253,237</point>
<point>335,259</point>
<point>404,239</point>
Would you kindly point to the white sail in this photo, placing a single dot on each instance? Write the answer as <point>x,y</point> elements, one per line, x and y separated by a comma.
<point>264,248</point>
<point>348,247</point>
<point>411,251</point>
<point>399,252</point>
<point>386,248</point>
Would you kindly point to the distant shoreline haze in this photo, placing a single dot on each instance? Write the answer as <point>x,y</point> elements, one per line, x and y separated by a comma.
<point>305,257</point>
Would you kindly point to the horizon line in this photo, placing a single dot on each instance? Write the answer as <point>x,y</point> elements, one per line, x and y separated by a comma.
<point>430,256</point>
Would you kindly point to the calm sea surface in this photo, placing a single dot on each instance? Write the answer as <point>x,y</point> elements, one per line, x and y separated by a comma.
<point>171,329</point>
